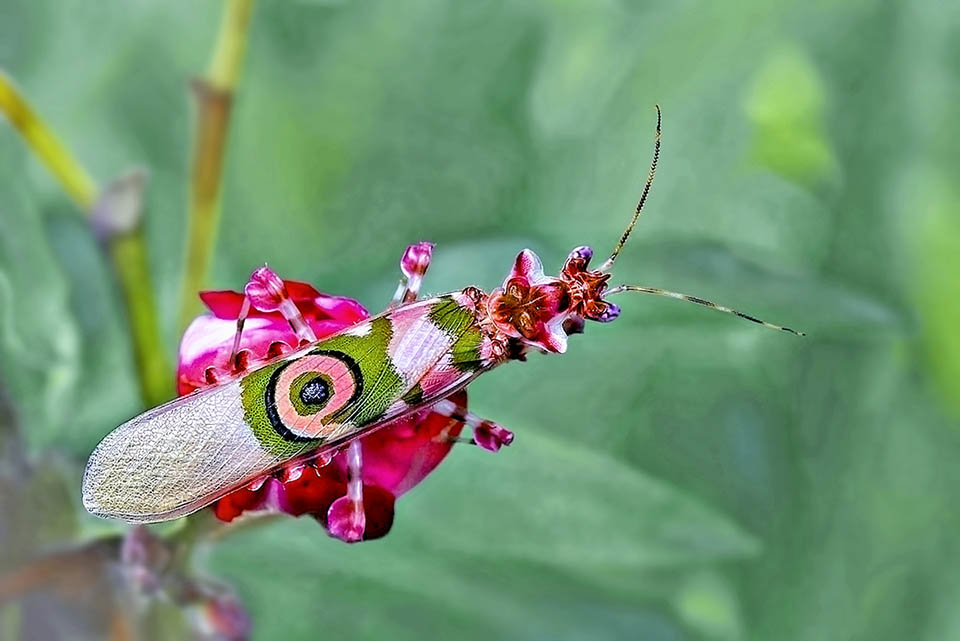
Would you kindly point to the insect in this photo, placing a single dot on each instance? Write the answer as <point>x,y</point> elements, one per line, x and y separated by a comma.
<point>418,354</point>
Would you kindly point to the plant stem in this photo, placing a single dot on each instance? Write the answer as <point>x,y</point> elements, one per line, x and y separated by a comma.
<point>127,251</point>
<point>45,144</point>
<point>214,96</point>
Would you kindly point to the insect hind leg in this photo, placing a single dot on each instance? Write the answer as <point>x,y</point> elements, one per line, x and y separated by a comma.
<point>346,519</point>
<point>486,434</point>
<point>413,266</point>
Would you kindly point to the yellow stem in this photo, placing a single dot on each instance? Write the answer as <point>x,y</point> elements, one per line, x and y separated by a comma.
<point>231,43</point>
<point>45,144</point>
<point>214,96</point>
<point>127,251</point>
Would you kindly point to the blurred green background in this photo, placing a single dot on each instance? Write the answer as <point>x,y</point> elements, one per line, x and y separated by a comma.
<point>677,474</point>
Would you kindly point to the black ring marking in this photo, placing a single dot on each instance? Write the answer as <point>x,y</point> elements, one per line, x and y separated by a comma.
<point>270,394</point>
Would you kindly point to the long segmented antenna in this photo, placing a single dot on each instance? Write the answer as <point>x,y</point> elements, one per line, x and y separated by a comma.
<point>643,198</point>
<point>698,301</point>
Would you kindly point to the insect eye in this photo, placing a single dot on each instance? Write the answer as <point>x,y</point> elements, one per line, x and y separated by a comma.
<point>316,391</point>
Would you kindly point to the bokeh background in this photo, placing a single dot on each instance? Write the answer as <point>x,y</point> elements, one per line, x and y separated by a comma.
<point>678,474</point>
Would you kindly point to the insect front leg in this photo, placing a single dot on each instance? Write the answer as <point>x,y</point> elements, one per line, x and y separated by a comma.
<point>486,434</point>
<point>413,265</point>
<point>266,292</point>
<point>346,519</point>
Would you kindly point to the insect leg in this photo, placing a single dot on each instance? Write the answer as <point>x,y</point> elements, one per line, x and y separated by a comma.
<point>266,292</point>
<point>346,519</point>
<point>486,434</point>
<point>241,319</point>
<point>413,265</point>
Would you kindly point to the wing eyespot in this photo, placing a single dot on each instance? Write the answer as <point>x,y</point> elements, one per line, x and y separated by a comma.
<point>302,393</point>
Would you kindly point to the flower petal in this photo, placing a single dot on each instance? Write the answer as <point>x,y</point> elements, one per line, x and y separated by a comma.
<point>223,303</point>
<point>239,501</point>
<point>400,455</point>
<point>312,492</point>
<point>338,308</point>
<point>301,291</point>
<point>312,304</point>
<point>208,342</point>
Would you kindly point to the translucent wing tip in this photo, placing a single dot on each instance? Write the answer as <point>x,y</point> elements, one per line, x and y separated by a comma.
<point>174,459</point>
<point>103,492</point>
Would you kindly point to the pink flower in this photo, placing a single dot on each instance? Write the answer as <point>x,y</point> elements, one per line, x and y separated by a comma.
<point>208,341</point>
<point>396,457</point>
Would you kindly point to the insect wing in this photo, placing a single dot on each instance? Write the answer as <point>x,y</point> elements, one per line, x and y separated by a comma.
<point>182,456</point>
<point>175,458</point>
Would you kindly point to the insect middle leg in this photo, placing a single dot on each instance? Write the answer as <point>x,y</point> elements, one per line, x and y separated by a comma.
<point>413,265</point>
<point>486,434</point>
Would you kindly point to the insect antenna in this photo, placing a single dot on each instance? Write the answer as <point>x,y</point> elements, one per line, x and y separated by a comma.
<point>699,301</point>
<point>643,199</point>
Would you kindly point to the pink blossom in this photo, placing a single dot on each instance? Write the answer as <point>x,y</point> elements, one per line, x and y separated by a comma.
<point>396,457</point>
<point>208,341</point>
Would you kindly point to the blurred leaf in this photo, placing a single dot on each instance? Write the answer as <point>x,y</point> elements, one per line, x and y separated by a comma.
<point>481,541</point>
<point>38,337</point>
<point>937,262</point>
<point>806,174</point>
<point>551,502</point>
<point>709,605</point>
<point>786,106</point>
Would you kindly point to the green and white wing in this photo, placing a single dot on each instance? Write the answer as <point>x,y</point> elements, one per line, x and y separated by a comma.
<point>182,456</point>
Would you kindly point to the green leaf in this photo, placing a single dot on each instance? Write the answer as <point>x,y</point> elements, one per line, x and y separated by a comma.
<point>553,502</point>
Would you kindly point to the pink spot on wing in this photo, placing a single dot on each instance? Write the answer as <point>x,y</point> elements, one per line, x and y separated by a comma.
<point>311,425</point>
<point>440,377</point>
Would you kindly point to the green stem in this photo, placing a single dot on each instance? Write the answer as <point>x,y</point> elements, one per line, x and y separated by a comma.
<point>127,251</point>
<point>198,527</point>
<point>214,96</point>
